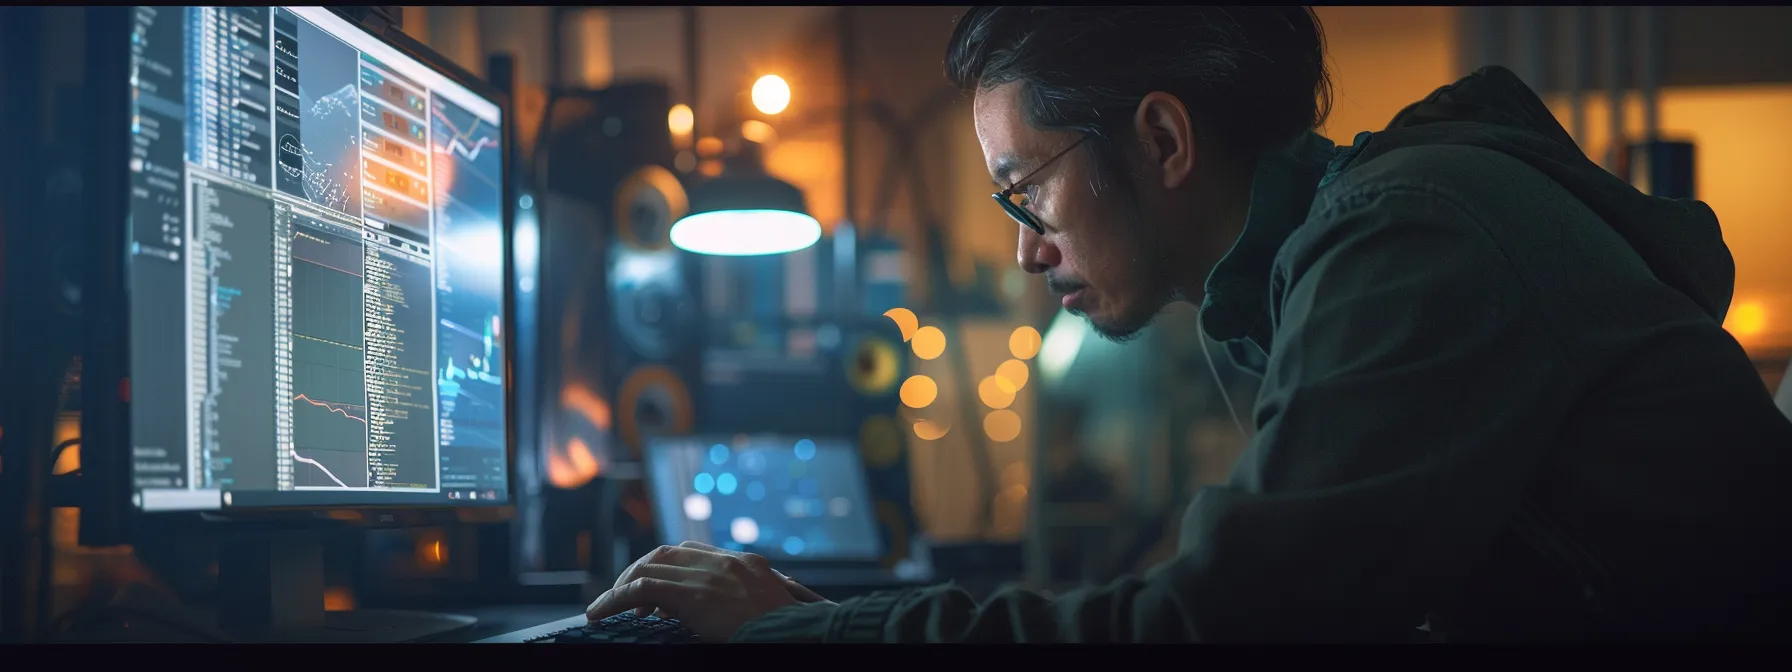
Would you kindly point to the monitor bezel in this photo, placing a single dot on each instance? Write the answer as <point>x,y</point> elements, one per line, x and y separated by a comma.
<point>657,443</point>
<point>108,486</point>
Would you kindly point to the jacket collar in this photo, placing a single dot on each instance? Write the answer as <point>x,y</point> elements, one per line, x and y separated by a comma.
<point>1236,304</point>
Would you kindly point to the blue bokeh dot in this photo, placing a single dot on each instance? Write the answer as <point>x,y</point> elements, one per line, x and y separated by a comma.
<point>805,449</point>
<point>725,484</point>
<point>704,483</point>
<point>793,545</point>
<point>718,454</point>
<point>755,491</point>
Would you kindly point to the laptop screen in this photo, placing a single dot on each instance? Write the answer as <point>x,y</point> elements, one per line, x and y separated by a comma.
<point>781,497</point>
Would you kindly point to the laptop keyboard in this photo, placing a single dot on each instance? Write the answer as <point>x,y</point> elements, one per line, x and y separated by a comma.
<point>625,628</point>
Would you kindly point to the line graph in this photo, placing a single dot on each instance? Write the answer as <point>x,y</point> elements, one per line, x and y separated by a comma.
<point>333,407</point>
<point>330,428</point>
<point>462,143</point>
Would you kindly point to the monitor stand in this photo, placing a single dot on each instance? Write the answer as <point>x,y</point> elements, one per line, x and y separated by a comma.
<point>271,589</point>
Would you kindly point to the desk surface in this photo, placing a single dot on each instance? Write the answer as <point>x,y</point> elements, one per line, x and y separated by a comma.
<point>497,620</point>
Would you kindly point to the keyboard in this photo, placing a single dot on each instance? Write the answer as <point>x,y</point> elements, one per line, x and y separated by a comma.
<point>625,628</point>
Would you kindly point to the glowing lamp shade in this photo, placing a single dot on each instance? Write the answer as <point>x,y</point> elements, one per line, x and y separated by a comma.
<point>740,216</point>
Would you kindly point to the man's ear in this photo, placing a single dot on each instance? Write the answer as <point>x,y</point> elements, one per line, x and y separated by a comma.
<point>1168,137</point>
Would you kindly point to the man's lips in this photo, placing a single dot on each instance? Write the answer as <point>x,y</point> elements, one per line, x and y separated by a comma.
<point>1069,290</point>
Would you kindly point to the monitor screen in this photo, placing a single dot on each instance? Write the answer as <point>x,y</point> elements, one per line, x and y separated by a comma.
<point>786,498</point>
<point>316,268</point>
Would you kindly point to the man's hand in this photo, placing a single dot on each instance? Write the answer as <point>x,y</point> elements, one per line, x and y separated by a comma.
<point>711,590</point>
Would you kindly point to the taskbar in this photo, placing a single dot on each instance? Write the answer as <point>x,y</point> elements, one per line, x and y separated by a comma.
<point>175,500</point>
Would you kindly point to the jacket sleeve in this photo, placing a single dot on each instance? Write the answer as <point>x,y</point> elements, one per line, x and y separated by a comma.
<point>1408,398</point>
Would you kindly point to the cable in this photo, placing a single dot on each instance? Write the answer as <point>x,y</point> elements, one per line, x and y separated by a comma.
<point>1217,382</point>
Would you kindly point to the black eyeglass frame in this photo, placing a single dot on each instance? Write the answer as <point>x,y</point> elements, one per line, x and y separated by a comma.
<point>1019,213</point>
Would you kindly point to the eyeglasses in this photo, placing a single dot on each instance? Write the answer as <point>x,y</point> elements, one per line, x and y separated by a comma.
<point>1018,210</point>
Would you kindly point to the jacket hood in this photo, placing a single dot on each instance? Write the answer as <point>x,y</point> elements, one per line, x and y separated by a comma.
<point>1492,109</point>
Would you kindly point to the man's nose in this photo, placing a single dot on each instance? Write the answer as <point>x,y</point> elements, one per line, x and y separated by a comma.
<point>1034,253</point>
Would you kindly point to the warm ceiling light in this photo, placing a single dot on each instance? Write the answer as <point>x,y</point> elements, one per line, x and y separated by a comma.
<point>681,120</point>
<point>771,94</point>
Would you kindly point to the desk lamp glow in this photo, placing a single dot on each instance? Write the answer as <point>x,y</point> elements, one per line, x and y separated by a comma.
<point>745,211</point>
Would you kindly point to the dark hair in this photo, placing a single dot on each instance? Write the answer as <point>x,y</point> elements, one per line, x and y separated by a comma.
<point>1250,76</point>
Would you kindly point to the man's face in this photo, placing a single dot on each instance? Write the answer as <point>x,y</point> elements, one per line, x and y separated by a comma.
<point>1098,252</point>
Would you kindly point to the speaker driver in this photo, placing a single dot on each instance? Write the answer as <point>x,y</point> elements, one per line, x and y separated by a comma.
<point>654,310</point>
<point>647,204</point>
<point>653,401</point>
<point>872,366</point>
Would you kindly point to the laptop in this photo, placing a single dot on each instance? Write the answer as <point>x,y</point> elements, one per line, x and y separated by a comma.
<point>801,502</point>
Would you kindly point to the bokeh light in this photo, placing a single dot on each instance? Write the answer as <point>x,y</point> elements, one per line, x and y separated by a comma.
<point>709,148</point>
<point>1024,343</point>
<point>918,391</point>
<point>756,131</point>
<point>697,507</point>
<point>804,449</point>
<point>1001,426</point>
<point>726,483</point>
<point>793,545</point>
<point>771,94</point>
<point>1746,319</point>
<point>929,342</point>
<point>680,120</point>
<point>905,320</point>
<point>1015,372</point>
<point>996,392</point>
<point>703,483</point>
<point>744,530</point>
<point>928,430</point>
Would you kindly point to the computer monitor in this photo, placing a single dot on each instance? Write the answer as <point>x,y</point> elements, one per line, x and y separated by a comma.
<point>787,498</point>
<point>316,251</point>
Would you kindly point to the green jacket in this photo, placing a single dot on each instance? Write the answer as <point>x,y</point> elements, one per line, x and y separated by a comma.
<point>1496,399</point>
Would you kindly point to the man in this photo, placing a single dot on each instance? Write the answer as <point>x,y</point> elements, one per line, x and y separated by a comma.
<point>1497,400</point>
